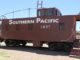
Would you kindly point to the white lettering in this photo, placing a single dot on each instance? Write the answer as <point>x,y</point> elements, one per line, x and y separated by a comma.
<point>47,20</point>
<point>38,20</point>
<point>10,21</point>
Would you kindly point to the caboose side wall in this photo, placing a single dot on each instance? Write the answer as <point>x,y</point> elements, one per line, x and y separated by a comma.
<point>48,32</point>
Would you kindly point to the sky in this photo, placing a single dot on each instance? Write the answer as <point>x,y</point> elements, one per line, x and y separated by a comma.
<point>67,7</point>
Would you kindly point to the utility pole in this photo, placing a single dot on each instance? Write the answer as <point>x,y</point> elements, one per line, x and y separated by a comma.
<point>29,11</point>
<point>39,4</point>
<point>13,14</point>
<point>3,17</point>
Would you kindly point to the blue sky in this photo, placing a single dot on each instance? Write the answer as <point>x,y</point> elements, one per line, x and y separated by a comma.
<point>67,7</point>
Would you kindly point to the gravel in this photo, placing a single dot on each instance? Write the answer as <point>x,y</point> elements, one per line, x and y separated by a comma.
<point>32,53</point>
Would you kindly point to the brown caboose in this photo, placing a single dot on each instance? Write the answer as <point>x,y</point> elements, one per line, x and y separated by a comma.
<point>50,27</point>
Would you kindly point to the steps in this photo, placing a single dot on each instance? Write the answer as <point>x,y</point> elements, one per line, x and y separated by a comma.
<point>75,52</point>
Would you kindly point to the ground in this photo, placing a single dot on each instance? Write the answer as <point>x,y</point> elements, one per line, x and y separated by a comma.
<point>32,53</point>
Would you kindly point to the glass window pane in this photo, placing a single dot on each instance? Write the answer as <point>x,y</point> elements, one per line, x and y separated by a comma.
<point>17,27</point>
<point>30,27</point>
<point>49,12</point>
<point>58,13</point>
<point>61,26</point>
<point>41,13</point>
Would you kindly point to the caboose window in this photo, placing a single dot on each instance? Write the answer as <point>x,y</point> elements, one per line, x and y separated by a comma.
<point>17,27</point>
<point>41,13</point>
<point>30,27</point>
<point>61,26</point>
<point>49,12</point>
<point>58,13</point>
<point>6,27</point>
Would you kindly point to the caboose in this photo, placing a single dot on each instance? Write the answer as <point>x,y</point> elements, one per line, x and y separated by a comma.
<point>50,27</point>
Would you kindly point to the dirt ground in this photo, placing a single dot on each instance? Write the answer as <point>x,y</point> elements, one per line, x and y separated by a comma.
<point>32,53</point>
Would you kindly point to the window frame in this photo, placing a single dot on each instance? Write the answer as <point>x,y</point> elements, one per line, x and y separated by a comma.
<point>61,26</point>
<point>58,13</point>
<point>17,27</point>
<point>41,13</point>
<point>30,27</point>
<point>49,12</point>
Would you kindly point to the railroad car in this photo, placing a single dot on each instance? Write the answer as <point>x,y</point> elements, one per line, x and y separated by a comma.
<point>50,27</point>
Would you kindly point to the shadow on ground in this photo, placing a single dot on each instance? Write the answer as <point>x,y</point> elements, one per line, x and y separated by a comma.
<point>42,50</point>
